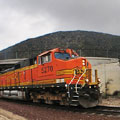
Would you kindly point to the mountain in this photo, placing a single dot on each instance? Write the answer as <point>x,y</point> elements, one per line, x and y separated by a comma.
<point>84,42</point>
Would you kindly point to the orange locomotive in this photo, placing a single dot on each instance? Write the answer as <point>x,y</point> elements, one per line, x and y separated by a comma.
<point>57,75</point>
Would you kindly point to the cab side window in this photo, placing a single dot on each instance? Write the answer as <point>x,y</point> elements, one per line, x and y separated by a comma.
<point>45,58</point>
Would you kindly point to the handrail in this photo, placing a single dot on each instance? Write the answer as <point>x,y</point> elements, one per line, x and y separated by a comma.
<point>70,83</point>
<point>72,79</point>
<point>79,80</point>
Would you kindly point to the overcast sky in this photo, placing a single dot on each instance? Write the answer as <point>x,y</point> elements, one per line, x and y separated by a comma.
<point>23,19</point>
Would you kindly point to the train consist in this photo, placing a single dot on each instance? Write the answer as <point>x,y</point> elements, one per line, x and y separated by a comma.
<point>55,76</point>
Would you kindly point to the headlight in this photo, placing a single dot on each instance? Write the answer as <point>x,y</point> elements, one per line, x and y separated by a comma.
<point>83,62</point>
<point>86,80</point>
<point>99,80</point>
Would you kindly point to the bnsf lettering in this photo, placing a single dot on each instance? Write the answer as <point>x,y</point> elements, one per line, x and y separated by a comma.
<point>47,69</point>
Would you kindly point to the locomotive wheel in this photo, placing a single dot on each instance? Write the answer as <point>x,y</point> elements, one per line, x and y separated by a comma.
<point>88,103</point>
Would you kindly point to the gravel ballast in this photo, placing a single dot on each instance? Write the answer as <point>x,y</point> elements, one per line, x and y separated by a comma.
<point>41,112</point>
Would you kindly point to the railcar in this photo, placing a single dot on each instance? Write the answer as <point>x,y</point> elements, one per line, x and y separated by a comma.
<point>57,76</point>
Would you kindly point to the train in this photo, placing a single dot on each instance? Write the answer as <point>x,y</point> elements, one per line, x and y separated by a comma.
<point>55,76</point>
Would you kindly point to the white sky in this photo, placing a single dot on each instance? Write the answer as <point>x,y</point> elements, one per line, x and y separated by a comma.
<point>23,19</point>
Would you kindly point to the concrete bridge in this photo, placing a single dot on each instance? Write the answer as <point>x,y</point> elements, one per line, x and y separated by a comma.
<point>4,64</point>
<point>108,72</point>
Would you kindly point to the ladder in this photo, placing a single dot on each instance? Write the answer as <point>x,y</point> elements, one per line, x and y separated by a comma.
<point>74,99</point>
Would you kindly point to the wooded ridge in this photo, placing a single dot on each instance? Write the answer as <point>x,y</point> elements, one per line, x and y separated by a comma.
<point>84,42</point>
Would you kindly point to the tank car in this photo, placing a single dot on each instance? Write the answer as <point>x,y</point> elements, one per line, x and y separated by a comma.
<point>57,76</point>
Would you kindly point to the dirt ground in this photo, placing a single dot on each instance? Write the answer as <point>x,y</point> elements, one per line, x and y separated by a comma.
<point>10,110</point>
<point>111,101</point>
<point>6,115</point>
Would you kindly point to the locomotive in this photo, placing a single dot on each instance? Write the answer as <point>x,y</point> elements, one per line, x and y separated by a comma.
<point>55,76</point>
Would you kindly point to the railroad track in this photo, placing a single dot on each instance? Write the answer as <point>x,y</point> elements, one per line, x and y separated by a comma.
<point>101,110</point>
<point>106,110</point>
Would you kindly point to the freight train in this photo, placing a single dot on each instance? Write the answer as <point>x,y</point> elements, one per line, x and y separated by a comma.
<point>55,76</point>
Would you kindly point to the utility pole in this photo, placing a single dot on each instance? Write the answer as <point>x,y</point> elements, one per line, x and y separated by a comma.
<point>105,81</point>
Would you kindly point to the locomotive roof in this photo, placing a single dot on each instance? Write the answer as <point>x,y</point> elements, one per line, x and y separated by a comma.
<point>53,50</point>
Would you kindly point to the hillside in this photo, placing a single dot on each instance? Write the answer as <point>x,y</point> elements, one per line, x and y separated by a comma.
<point>85,43</point>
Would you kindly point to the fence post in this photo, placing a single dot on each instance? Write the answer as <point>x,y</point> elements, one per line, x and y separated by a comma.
<point>94,52</point>
<point>80,52</point>
<point>16,54</point>
<point>5,55</point>
<point>107,53</point>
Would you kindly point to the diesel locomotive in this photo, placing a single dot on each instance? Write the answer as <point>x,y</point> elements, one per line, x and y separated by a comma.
<point>55,76</point>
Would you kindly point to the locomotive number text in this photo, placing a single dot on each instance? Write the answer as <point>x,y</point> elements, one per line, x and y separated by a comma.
<point>47,69</point>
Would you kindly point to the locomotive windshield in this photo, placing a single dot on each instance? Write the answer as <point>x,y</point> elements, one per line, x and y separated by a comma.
<point>63,56</point>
